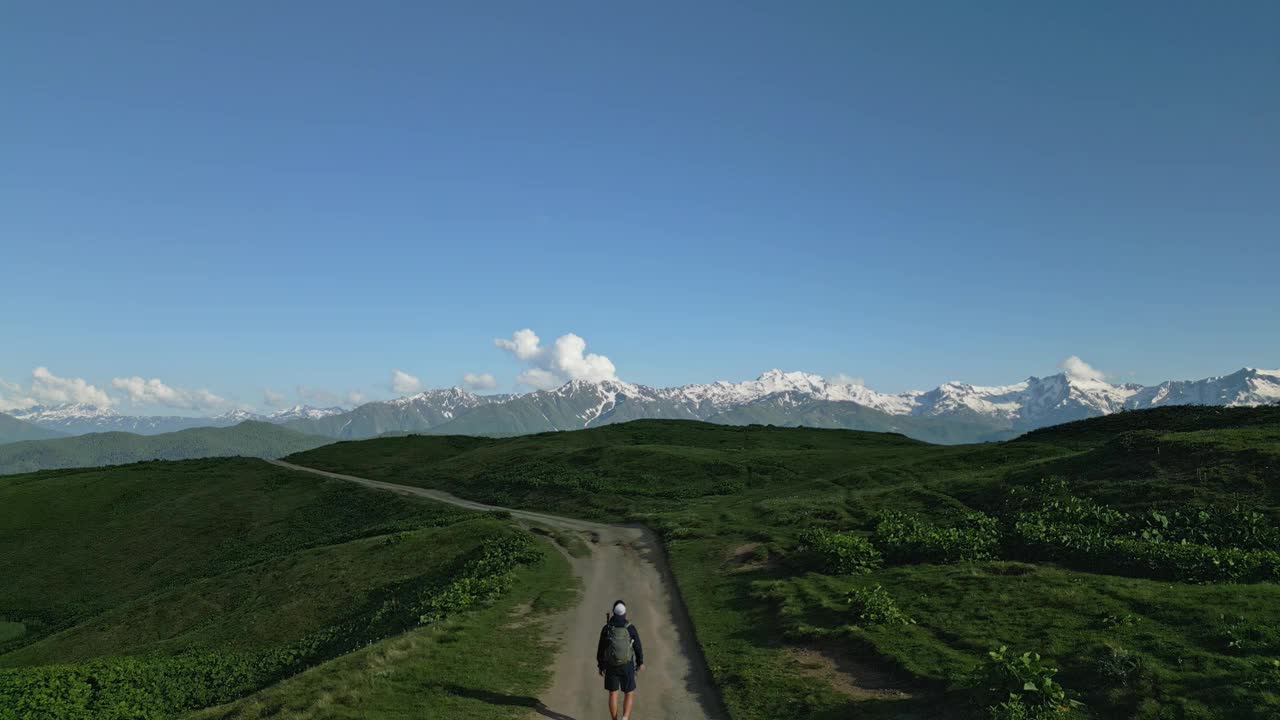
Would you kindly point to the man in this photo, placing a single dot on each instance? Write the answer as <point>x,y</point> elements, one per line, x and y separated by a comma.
<point>619,657</point>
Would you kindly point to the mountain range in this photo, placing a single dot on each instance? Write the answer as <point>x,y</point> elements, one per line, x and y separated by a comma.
<point>83,418</point>
<point>248,439</point>
<point>954,412</point>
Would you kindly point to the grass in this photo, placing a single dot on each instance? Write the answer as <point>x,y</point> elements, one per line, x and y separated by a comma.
<point>167,586</point>
<point>11,631</point>
<point>270,603</point>
<point>87,541</point>
<point>486,665</point>
<point>1128,647</point>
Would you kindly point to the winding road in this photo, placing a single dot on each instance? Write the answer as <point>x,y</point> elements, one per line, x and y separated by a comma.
<point>628,563</point>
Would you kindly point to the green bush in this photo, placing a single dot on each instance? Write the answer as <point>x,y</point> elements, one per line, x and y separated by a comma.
<point>909,538</point>
<point>1014,686</point>
<point>837,553</point>
<point>1036,537</point>
<point>1119,667</point>
<point>874,606</point>
<point>1181,545</point>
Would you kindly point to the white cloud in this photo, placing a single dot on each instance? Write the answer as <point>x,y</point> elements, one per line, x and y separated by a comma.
<point>843,379</point>
<point>523,344</point>
<point>355,397</point>
<point>271,398</point>
<point>13,397</point>
<point>49,389</point>
<point>550,366</point>
<point>404,383</point>
<point>1077,369</point>
<point>539,379</point>
<point>155,392</point>
<point>480,381</point>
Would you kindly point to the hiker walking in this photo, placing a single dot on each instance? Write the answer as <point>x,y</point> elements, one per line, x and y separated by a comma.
<point>619,657</point>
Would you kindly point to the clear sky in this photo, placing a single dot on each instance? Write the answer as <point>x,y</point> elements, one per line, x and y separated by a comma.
<point>306,196</point>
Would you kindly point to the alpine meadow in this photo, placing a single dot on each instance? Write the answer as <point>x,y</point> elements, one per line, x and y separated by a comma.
<point>585,361</point>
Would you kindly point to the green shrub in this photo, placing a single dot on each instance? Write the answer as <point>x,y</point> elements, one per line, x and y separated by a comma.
<point>1187,545</point>
<point>1119,667</point>
<point>874,606</point>
<point>908,538</point>
<point>837,553</point>
<point>1022,686</point>
<point>1038,537</point>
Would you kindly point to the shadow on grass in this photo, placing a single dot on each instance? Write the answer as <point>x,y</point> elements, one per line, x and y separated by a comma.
<point>495,698</point>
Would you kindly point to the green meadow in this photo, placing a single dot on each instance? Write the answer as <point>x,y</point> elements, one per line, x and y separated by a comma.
<point>1118,550</point>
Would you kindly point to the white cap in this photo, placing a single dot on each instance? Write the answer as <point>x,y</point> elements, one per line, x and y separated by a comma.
<point>619,609</point>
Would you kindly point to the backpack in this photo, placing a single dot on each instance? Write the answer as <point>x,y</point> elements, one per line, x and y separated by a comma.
<point>619,652</point>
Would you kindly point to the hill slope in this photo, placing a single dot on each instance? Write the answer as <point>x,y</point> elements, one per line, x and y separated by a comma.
<point>249,439</point>
<point>1138,617</point>
<point>15,430</point>
<point>151,589</point>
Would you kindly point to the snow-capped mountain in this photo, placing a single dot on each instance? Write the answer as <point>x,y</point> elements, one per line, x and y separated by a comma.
<point>1037,402</point>
<point>955,411</point>
<point>1248,386</point>
<point>235,417</point>
<point>81,418</point>
<point>952,412</point>
<point>412,413</point>
<point>303,412</point>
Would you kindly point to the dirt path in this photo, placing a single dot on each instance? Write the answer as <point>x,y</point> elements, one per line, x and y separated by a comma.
<point>627,563</point>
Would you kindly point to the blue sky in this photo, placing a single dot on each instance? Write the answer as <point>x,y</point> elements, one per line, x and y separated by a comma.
<point>240,196</point>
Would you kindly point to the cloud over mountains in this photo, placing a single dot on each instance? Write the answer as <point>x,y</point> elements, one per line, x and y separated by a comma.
<point>553,365</point>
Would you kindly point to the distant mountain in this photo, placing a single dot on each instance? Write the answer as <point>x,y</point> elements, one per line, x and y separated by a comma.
<point>81,418</point>
<point>414,413</point>
<point>953,412</point>
<point>14,430</point>
<point>303,412</point>
<point>249,439</point>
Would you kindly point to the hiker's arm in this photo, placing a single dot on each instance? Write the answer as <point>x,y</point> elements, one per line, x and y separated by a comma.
<point>601,646</point>
<point>635,642</point>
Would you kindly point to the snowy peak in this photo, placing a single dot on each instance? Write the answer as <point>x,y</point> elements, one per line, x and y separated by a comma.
<point>303,412</point>
<point>234,417</point>
<point>725,394</point>
<point>1245,387</point>
<point>70,411</point>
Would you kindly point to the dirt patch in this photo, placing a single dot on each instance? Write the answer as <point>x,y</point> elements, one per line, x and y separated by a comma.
<point>749,556</point>
<point>521,615</point>
<point>857,676</point>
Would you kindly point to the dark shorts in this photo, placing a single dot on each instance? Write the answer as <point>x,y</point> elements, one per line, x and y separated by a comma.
<point>623,678</point>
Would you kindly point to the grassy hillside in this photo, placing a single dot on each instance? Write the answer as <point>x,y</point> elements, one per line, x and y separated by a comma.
<point>834,574</point>
<point>248,439</point>
<point>14,430</point>
<point>151,589</point>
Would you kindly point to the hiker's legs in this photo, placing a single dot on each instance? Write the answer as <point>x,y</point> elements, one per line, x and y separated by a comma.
<point>613,704</point>
<point>627,699</point>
